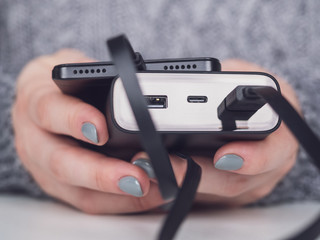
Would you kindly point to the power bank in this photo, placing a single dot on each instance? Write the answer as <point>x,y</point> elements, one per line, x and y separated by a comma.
<point>183,107</point>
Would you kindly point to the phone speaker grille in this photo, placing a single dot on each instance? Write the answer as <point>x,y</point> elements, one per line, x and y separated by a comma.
<point>89,70</point>
<point>180,67</point>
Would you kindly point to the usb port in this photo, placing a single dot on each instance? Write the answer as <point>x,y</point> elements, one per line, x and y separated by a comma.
<point>197,99</point>
<point>155,101</point>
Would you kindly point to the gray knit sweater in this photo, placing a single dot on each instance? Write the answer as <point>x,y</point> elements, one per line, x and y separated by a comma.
<point>283,36</point>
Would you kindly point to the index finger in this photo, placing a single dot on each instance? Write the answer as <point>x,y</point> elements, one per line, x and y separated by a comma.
<point>54,111</point>
<point>62,114</point>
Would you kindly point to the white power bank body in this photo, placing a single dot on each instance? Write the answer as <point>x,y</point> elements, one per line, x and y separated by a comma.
<point>190,127</point>
<point>181,115</point>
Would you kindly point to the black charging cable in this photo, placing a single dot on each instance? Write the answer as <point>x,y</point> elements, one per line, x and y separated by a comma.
<point>244,101</point>
<point>240,104</point>
<point>123,58</point>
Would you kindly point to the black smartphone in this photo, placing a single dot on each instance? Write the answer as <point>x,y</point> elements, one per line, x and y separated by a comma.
<point>92,81</point>
<point>74,77</point>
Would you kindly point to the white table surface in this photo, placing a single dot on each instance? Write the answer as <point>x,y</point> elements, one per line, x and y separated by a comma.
<point>27,218</point>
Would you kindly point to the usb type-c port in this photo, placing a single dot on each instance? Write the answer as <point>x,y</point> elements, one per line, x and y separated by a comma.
<point>197,99</point>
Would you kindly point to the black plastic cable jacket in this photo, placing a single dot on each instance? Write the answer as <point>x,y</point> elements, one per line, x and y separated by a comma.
<point>121,52</point>
<point>303,134</point>
<point>122,55</point>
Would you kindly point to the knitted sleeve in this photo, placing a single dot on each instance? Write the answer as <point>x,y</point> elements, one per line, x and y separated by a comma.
<point>13,176</point>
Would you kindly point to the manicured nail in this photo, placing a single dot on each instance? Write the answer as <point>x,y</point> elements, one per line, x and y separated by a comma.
<point>229,162</point>
<point>145,165</point>
<point>90,132</point>
<point>130,185</point>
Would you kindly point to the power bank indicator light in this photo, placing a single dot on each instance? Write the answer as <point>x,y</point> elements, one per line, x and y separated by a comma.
<point>155,101</point>
<point>197,99</point>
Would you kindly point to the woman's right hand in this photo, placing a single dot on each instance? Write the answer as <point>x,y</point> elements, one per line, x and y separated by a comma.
<point>44,119</point>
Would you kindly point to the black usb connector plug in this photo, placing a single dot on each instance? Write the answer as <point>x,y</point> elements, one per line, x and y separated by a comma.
<point>240,104</point>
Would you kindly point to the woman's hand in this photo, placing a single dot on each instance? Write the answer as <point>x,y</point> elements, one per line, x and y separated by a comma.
<point>44,119</point>
<point>243,172</point>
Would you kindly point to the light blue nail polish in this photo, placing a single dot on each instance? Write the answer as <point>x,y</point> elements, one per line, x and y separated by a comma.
<point>145,165</point>
<point>90,132</point>
<point>229,162</point>
<point>130,185</point>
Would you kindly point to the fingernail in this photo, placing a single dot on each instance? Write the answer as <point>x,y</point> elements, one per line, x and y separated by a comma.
<point>145,165</point>
<point>229,162</point>
<point>90,132</point>
<point>130,185</point>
